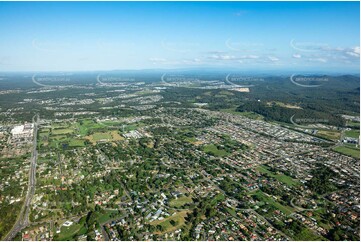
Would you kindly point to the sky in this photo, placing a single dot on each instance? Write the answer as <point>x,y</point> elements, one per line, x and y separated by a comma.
<point>93,36</point>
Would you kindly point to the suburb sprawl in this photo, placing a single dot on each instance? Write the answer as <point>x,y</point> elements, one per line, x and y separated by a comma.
<point>155,156</point>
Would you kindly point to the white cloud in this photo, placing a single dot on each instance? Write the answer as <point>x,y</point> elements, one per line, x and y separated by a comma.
<point>297,56</point>
<point>322,60</point>
<point>250,57</point>
<point>157,59</point>
<point>273,58</point>
<point>222,57</point>
<point>354,52</point>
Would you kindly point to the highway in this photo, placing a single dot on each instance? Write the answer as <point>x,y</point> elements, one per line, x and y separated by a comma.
<point>23,218</point>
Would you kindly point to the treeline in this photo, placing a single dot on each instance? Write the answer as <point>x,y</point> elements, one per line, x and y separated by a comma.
<point>305,115</point>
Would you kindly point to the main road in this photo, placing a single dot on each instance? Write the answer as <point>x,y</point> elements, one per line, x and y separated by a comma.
<point>23,218</point>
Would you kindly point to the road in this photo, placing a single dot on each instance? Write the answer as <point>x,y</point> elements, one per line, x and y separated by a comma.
<point>23,218</point>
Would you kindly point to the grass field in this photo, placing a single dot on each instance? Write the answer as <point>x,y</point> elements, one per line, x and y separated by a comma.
<point>180,201</point>
<point>317,215</point>
<point>61,131</point>
<point>115,135</point>
<point>353,124</point>
<point>213,150</point>
<point>75,134</point>
<point>86,125</point>
<point>307,235</point>
<point>268,199</point>
<point>353,133</point>
<point>76,143</point>
<point>218,198</point>
<point>329,134</point>
<point>67,233</point>
<point>107,136</point>
<point>280,177</point>
<point>179,218</point>
<point>106,216</point>
<point>347,150</point>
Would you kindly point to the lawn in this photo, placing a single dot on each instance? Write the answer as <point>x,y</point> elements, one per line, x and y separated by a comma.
<point>268,199</point>
<point>76,143</point>
<point>99,136</point>
<point>86,125</point>
<point>280,177</point>
<point>218,198</point>
<point>106,216</point>
<point>353,133</point>
<point>179,218</point>
<point>67,233</point>
<point>354,152</point>
<point>318,214</point>
<point>180,201</point>
<point>111,123</point>
<point>108,136</point>
<point>307,235</point>
<point>353,124</point>
<point>61,131</point>
<point>213,150</point>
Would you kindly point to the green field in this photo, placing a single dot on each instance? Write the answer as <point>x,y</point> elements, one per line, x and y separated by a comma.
<point>180,201</point>
<point>86,125</point>
<point>280,177</point>
<point>329,134</point>
<point>108,136</point>
<point>106,216</point>
<point>218,198</point>
<point>213,150</point>
<point>179,218</point>
<point>101,136</point>
<point>67,233</point>
<point>76,143</point>
<point>353,133</point>
<point>348,150</point>
<point>62,131</point>
<point>268,199</point>
<point>307,235</point>
<point>353,124</point>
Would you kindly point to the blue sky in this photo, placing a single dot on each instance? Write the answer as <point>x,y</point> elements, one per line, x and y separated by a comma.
<point>71,36</point>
